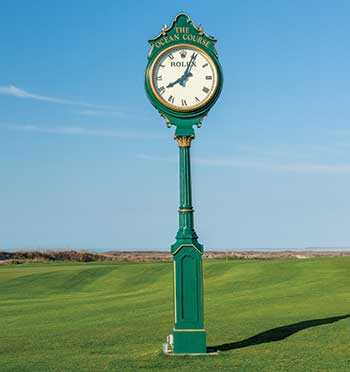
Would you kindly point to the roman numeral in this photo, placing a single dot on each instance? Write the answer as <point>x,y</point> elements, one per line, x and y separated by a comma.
<point>183,102</point>
<point>205,90</point>
<point>161,90</point>
<point>197,99</point>
<point>171,99</point>
<point>162,66</point>
<point>159,77</point>
<point>170,56</point>
<point>208,78</point>
<point>205,65</point>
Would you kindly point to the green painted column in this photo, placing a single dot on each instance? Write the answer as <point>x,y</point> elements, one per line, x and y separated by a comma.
<point>189,333</point>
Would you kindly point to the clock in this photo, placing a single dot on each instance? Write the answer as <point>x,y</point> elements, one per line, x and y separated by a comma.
<point>184,78</point>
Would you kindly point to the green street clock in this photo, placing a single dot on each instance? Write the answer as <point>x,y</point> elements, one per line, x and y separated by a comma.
<point>183,81</point>
<point>183,76</point>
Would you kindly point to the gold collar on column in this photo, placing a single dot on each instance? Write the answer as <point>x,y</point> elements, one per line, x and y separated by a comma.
<point>184,141</point>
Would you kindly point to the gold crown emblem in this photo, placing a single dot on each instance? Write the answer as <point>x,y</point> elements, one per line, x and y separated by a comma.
<point>183,54</point>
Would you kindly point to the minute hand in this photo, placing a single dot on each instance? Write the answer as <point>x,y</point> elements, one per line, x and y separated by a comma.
<point>187,72</point>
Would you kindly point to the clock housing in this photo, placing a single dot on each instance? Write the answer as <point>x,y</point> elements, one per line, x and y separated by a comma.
<point>183,109</point>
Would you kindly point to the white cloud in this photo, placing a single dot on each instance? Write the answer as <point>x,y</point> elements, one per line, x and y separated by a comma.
<point>83,131</point>
<point>265,166</point>
<point>156,158</point>
<point>11,90</point>
<point>89,108</point>
<point>270,166</point>
<point>102,113</point>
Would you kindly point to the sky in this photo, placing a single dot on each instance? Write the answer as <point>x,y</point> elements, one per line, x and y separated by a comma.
<point>86,162</point>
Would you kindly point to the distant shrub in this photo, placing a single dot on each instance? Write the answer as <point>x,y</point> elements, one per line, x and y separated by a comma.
<point>52,255</point>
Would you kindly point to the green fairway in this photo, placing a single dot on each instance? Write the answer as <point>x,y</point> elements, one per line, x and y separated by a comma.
<point>278,315</point>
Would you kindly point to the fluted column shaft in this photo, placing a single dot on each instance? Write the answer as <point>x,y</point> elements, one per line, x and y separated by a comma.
<point>186,224</point>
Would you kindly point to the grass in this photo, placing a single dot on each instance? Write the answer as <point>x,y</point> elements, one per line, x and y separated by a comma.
<point>110,316</point>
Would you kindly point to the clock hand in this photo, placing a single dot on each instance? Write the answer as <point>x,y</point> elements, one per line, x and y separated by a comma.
<point>183,79</point>
<point>170,85</point>
<point>187,72</point>
<point>192,63</point>
<point>179,80</point>
<point>188,68</point>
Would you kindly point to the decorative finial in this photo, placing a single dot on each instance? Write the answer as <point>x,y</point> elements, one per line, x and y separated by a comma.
<point>200,30</point>
<point>164,29</point>
<point>199,124</point>
<point>168,124</point>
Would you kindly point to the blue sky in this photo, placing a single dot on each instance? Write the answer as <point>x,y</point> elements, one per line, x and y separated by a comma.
<point>87,163</point>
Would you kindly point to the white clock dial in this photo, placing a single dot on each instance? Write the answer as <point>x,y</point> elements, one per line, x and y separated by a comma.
<point>184,78</point>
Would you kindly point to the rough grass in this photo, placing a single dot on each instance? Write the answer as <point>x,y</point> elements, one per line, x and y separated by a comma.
<point>268,315</point>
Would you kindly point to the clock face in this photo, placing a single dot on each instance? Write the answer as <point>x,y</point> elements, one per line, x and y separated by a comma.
<point>184,78</point>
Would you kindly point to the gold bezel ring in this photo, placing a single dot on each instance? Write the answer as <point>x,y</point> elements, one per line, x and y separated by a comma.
<point>176,108</point>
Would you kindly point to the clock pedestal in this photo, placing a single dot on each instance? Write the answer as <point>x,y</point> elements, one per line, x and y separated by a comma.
<point>183,80</point>
<point>189,334</point>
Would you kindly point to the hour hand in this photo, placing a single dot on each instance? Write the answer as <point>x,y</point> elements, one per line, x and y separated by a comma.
<point>185,78</point>
<point>170,85</point>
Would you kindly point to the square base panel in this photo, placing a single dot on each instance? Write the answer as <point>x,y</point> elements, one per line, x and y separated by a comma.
<point>190,342</point>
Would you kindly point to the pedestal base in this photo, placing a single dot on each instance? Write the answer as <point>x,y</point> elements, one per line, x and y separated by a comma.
<point>190,342</point>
